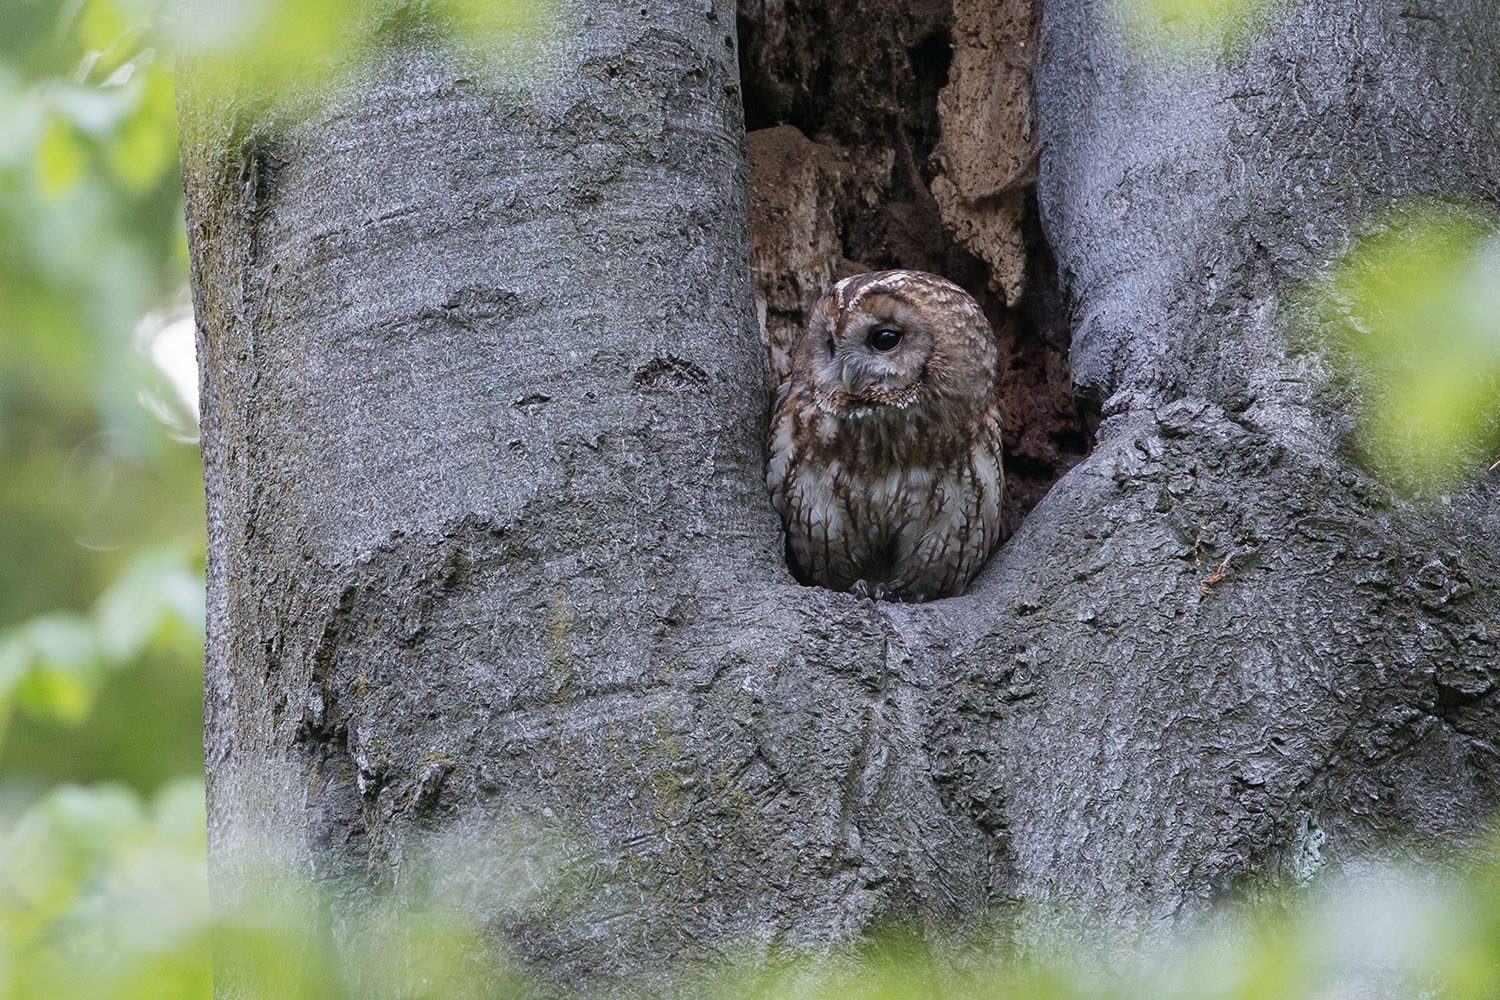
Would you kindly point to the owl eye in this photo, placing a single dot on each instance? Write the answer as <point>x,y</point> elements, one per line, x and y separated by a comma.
<point>885,339</point>
<point>830,347</point>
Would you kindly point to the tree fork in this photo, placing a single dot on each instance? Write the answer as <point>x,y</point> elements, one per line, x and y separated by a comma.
<point>489,549</point>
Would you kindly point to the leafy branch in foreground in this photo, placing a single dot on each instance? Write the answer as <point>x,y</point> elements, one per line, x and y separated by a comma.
<point>103,895</point>
<point>1412,314</point>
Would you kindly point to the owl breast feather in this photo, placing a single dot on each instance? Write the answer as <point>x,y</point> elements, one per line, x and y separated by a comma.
<point>884,507</point>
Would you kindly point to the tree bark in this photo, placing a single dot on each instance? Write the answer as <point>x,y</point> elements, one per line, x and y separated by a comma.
<point>490,556</point>
<point>1250,657</point>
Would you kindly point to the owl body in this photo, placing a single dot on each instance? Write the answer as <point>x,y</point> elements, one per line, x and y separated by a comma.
<point>885,439</point>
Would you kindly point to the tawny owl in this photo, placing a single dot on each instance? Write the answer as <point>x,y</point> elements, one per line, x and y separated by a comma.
<point>885,440</point>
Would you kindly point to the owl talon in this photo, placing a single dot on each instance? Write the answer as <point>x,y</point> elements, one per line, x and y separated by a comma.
<point>861,590</point>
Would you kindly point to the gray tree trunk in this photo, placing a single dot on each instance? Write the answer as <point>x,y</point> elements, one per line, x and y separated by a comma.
<point>490,557</point>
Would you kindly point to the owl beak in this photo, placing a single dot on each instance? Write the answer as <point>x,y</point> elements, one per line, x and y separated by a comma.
<point>848,379</point>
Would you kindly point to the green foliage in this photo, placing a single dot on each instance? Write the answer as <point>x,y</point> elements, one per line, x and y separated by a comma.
<point>1384,929</point>
<point>270,55</point>
<point>53,665</point>
<point>1173,30</point>
<point>96,497</point>
<point>1412,312</point>
<point>102,894</point>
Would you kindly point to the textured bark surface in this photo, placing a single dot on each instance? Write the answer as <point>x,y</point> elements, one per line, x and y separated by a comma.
<point>491,560</point>
<point>1247,657</point>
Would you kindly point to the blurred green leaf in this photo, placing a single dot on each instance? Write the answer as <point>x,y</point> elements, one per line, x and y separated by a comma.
<point>1169,30</point>
<point>59,690</point>
<point>94,110</point>
<point>103,895</point>
<point>1413,312</point>
<point>21,119</point>
<point>144,152</point>
<point>156,591</point>
<point>58,847</point>
<point>53,665</point>
<point>96,498</point>
<point>291,53</point>
<point>61,160</point>
<point>60,657</point>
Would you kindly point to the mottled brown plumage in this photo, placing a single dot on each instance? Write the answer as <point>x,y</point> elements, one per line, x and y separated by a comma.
<point>885,440</point>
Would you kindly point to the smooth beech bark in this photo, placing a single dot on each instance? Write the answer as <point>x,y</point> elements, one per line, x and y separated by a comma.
<point>491,562</point>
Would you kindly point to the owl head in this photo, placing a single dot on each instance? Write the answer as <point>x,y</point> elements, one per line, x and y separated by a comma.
<point>898,342</point>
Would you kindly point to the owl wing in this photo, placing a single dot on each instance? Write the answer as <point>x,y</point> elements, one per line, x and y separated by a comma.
<point>782,450</point>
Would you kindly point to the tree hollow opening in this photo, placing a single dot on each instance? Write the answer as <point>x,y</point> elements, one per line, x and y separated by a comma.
<point>886,134</point>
